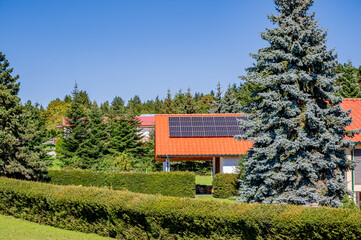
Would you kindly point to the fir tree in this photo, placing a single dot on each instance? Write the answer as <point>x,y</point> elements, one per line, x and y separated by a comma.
<point>94,146</point>
<point>135,105</point>
<point>21,153</point>
<point>117,107</point>
<point>228,103</point>
<point>349,81</point>
<point>168,104</point>
<point>216,105</point>
<point>125,136</point>
<point>247,93</point>
<point>75,132</point>
<point>297,124</point>
<point>190,106</point>
<point>105,108</point>
<point>67,99</point>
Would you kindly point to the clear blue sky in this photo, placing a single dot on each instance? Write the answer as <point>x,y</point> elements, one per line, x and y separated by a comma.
<point>143,47</point>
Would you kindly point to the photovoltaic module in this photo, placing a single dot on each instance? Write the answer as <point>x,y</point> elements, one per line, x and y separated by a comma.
<point>204,126</point>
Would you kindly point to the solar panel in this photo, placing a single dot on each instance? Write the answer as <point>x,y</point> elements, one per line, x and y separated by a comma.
<point>204,126</point>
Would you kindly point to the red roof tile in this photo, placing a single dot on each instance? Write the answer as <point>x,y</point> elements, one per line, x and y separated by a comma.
<point>146,120</point>
<point>355,105</point>
<point>194,147</point>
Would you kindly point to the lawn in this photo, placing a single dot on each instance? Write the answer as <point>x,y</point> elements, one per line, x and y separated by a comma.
<point>17,229</point>
<point>204,180</point>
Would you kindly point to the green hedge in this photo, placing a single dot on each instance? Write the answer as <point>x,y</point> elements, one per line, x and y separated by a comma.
<point>225,185</point>
<point>178,184</point>
<point>128,215</point>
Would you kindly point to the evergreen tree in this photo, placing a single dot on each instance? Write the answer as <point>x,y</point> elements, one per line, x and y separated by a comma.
<point>179,102</point>
<point>158,106</point>
<point>349,81</point>
<point>228,103</point>
<point>105,108</point>
<point>94,146</point>
<point>75,132</point>
<point>82,97</point>
<point>297,125</point>
<point>190,106</point>
<point>247,93</point>
<point>216,105</point>
<point>204,104</point>
<point>135,105</point>
<point>125,136</point>
<point>168,104</point>
<point>21,153</point>
<point>117,107</point>
<point>68,99</point>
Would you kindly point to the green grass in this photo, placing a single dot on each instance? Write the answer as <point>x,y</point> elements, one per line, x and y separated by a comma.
<point>211,198</point>
<point>17,229</point>
<point>204,180</point>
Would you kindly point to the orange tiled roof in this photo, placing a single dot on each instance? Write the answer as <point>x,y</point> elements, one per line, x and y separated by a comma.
<point>192,148</point>
<point>355,105</point>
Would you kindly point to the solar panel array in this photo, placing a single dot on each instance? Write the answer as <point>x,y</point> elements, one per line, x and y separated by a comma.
<point>204,126</point>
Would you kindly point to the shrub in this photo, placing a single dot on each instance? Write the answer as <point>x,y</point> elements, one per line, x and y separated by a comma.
<point>225,185</point>
<point>128,215</point>
<point>348,202</point>
<point>179,184</point>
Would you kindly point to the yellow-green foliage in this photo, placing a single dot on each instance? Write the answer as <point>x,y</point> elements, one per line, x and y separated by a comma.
<point>128,215</point>
<point>178,184</point>
<point>225,185</point>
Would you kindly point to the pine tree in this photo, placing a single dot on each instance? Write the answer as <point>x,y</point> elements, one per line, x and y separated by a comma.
<point>349,81</point>
<point>21,153</point>
<point>297,125</point>
<point>94,146</point>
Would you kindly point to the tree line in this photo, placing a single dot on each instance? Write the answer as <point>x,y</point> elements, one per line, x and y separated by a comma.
<point>107,136</point>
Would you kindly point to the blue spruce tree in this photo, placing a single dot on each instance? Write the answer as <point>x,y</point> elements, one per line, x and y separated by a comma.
<point>296,122</point>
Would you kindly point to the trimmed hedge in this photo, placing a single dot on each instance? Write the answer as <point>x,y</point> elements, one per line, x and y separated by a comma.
<point>128,215</point>
<point>225,185</point>
<point>178,184</point>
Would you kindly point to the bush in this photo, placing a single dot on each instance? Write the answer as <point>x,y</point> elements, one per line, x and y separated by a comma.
<point>225,185</point>
<point>179,184</point>
<point>128,215</point>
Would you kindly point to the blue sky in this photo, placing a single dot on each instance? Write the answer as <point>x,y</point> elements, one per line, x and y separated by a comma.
<point>141,47</point>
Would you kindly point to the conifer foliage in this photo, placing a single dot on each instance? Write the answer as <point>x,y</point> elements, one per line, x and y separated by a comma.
<point>21,150</point>
<point>296,124</point>
<point>349,81</point>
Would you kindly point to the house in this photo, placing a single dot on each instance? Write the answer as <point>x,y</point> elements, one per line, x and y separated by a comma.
<point>146,125</point>
<point>206,137</point>
<point>199,137</point>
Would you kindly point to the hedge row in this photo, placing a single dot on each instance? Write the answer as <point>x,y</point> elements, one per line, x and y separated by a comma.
<point>128,215</point>
<point>178,184</point>
<point>225,185</point>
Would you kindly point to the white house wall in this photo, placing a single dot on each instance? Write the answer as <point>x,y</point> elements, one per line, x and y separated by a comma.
<point>229,165</point>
